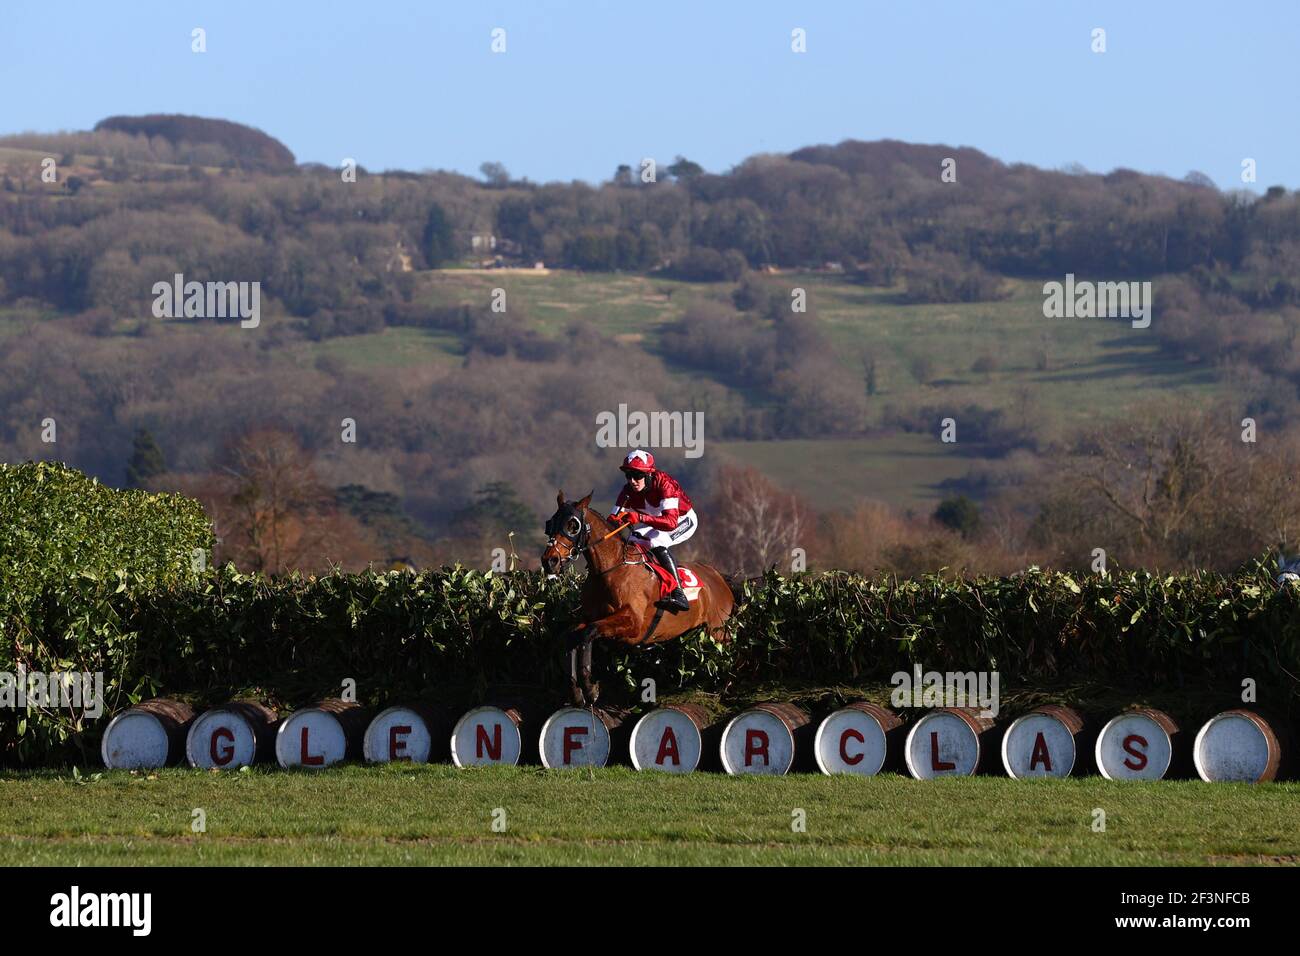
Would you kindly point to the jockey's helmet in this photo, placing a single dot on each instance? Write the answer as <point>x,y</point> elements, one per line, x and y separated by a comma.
<point>638,460</point>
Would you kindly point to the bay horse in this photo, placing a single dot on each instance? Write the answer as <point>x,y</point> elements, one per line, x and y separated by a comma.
<point>620,592</point>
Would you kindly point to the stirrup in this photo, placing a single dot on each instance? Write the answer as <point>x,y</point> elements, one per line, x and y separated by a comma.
<point>675,600</point>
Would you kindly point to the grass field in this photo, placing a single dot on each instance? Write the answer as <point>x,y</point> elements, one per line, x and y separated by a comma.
<point>904,470</point>
<point>1068,371</point>
<point>435,814</point>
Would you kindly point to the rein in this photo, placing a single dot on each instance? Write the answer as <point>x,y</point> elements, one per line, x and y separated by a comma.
<point>582,543</point>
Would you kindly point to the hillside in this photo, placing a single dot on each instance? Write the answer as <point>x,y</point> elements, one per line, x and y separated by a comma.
<point>922,300</point>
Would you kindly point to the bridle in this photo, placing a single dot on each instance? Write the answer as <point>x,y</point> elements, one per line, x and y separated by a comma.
<point>568,525</point>
<point>573,528</point>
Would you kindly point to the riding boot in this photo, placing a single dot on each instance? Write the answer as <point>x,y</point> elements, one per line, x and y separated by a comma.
<point>676,600</point>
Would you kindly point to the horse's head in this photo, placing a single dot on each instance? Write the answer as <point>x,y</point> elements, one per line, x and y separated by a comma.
<point>569,533</point>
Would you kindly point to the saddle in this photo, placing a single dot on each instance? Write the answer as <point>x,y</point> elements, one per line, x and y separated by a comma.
<point>687,578</point>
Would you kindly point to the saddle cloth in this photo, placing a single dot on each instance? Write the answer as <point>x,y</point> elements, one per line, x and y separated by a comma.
<point>689,582</point>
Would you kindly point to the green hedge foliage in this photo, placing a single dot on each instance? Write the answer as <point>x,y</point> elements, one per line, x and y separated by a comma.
<point>56,524</point>
<point>67,542</point>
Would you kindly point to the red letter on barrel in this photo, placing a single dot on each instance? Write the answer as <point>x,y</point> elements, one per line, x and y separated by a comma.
<point>481,740</point>
<point>570,743</point>
<point>225,754</point>
<point>1129,741</point>
<point>668,748</point>
<point>394,745</point>
<point>844,749</point>
<point>307,759</point>
<point>1040,754</point>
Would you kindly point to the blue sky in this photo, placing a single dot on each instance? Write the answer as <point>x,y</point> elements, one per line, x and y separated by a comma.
<point>585,86</point>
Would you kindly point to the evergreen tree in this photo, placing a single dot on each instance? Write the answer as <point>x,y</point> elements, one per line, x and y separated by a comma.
<point>146,459</point>
<point>960,514</point>
<point>496,508</point>
<point>684,168</point>
<point>437,241</point>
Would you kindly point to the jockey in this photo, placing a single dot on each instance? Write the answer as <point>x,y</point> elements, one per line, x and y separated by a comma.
<point>661,515</point>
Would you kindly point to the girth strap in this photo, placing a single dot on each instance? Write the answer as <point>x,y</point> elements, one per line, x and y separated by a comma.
<point>654,622</point>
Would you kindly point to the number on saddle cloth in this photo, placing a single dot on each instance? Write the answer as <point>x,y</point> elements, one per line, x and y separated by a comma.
<point>686,579</point>
<point>690,583</point>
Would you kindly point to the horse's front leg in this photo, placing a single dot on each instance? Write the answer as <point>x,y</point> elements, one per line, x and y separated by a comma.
<point>590,691</point>
<point>575,643</point>
<point>616,627</point>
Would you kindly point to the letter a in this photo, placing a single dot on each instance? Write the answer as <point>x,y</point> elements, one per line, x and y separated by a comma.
<point>1041,754</point>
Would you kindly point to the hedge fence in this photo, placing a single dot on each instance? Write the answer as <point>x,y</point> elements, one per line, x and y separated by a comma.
<point>119,595</point>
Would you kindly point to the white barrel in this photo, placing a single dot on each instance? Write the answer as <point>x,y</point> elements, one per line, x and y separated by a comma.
<point>572,737</point>
<point>146,736</point>
<point>310,738</point>
<point>854,739</point>
<point>1236,745</point>
<point>487,735</point>
<point>1041,743</point>
<point>223,739</point>
<point>134,740</point>
<point>945,743</point>
<point>1136,745</point>
<point>761,740</point>
<point>397,734</point>
<point>669,739</point>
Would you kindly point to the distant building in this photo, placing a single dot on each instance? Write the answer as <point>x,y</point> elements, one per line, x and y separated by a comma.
<point>398,259</point>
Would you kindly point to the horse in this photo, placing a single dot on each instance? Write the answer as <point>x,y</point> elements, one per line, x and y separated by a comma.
<point>620,592</point>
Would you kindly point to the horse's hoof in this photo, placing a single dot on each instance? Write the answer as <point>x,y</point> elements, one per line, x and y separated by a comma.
<point>594,695</point>
<point>578,698</point>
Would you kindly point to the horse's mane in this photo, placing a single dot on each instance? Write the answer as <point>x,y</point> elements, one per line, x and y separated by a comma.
<point>597,519</point>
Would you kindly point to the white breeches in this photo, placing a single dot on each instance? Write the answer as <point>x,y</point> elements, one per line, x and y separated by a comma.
<point>658,538</point>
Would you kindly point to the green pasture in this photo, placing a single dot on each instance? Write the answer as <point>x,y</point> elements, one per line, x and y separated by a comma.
<point>906,470</point>
<point>1055,373</point>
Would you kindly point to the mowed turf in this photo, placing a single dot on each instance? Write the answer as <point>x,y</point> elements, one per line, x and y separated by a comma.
<point>437,814</point>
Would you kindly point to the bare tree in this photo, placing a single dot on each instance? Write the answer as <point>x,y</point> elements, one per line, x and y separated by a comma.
<point>755,524</point>
<point>1157,473</point>
<point>1177,488</point>
<point>275,513</point>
